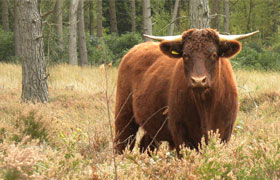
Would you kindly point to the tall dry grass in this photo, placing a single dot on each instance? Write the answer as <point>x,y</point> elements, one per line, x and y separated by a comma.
<point>69,138</point>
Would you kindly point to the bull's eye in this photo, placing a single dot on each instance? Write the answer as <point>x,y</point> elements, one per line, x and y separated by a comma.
<point>214,56</point>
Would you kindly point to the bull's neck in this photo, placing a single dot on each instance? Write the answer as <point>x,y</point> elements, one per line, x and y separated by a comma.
<point>219,83</point>
<point>203,103</point>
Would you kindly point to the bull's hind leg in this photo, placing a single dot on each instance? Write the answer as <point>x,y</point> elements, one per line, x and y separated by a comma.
<point>125,126</point>
<point>148,142</point>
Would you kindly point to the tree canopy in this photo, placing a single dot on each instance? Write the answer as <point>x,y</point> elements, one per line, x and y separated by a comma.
<point>122,21</point>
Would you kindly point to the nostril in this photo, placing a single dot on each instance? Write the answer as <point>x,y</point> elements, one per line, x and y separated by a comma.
<point>204,80</point>
<point>193,80</point>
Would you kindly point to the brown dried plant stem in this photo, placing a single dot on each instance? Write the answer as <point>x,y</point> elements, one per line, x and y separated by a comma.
<point>255,103</point>
<point>108,109</point>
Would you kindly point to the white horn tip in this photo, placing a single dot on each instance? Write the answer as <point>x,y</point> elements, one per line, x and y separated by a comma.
<point>237,37</point>
<point>145,35</point>
<point>161,38</point>
<point>255,32</point>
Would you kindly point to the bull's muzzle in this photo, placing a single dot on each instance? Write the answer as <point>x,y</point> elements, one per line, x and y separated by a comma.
<point>199,82</point>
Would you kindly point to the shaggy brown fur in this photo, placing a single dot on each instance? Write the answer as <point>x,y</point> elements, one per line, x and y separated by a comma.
<point>152,77</point>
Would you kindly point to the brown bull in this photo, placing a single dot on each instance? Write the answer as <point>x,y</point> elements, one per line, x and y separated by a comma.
<point>190,76</point>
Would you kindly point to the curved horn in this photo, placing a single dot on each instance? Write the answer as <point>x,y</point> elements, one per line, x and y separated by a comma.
<point>221,37</point>
<point>162,38</point>
<point>236,37</point>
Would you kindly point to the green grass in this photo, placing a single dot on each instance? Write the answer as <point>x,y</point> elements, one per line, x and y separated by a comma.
<point>69,138</point>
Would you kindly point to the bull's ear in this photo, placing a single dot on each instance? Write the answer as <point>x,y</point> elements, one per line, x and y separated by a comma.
<point>172,48</point>
<point>229,48</point>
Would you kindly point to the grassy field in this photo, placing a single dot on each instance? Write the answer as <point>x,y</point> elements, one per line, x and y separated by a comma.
<point>70,138</point>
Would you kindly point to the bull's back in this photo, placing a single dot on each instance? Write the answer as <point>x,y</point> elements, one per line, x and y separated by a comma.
<point>140,65</point>
<point>136,62</point>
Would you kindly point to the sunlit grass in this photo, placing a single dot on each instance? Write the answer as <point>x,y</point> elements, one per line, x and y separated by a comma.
<point>10,76</point>
<point>258,82</point>
<point>87,79</point>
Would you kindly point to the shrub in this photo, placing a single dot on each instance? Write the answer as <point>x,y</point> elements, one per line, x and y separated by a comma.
<point>31,123</point>
<point>276,47</point>
<point>34,128</point>
<point>119,45</point>
<point>255,46</point>
<point>246,58</point>
<point>96,52</point>
<point>254,57</point>
<point>6,46</point>
<point>115,47</point>
<point>270,60</point>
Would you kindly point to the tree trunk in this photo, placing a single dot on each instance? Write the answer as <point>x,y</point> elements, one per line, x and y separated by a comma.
<point>226,16</point>
<point>34,78</point>
<point>170,7</point>
<point>16,28</point>
<point>184,5</point>
<point>178,19</point>
<point>113,17</point>
<point>91,19</point>
<point>99,18</point>
<point>133,15</point>
<point>216,12</point>
<point>5,15</point>
<point>175,12</point>
<point>147,19</point>
<point>249,15</point>
<point>58,22</point>
<point>81,34</point>
<point>199,14</point>
<point>73,59</point>
<point>275,16</point>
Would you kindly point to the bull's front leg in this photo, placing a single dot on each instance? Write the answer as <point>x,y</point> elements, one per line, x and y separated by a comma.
<point>179,135</point>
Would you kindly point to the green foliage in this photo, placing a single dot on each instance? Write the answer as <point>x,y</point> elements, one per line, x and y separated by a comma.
<point>123,19</point>
<point>161,18</point>
<point>12,174</point>
<point>53,53</point>
<point>96,49</point>
<point>115,47</point>
<point>34,128</point>
<point>2,134</point>
<point>119,45</point>
<point>6,46</point>
<point>276,47</point>
<point>123,16</point>
<point>31,125</point>
<point>253,56</point>
<point>262,52</point>
<point>254,15</point>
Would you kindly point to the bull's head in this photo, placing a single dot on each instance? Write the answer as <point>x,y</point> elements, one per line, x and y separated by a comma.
<point>201,51</point>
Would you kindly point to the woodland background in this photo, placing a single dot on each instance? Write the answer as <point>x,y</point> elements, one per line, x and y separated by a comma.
<point>120,23</point>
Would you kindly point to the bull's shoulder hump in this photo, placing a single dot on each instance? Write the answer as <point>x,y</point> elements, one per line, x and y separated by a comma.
<point>146,44</point>
<point>145,48</point>
<point>147,51</point>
